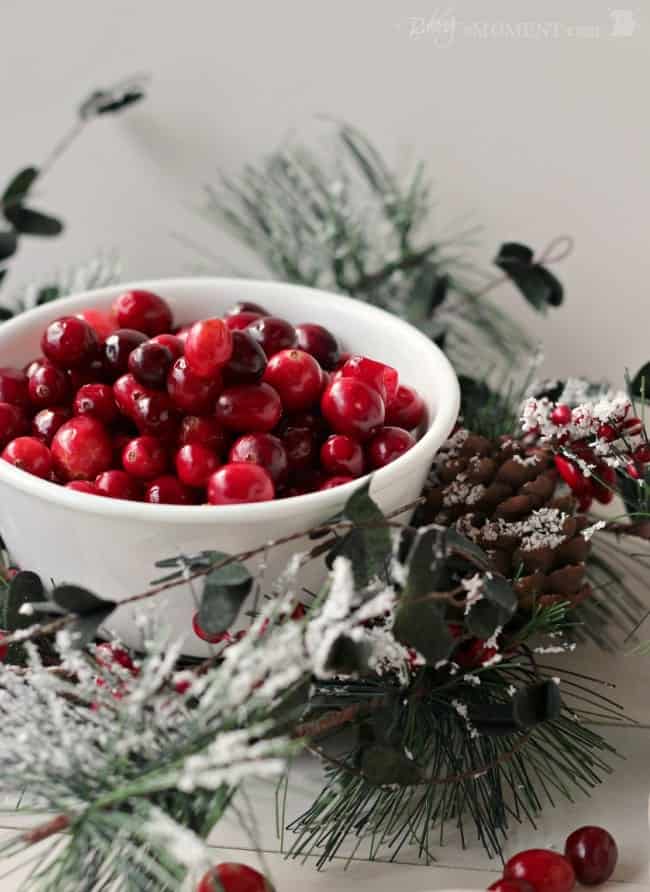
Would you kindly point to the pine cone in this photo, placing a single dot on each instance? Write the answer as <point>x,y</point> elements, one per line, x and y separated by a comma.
<point>504,496</point>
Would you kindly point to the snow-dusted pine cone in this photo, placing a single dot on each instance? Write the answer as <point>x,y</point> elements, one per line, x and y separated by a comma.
<point>503,496</point>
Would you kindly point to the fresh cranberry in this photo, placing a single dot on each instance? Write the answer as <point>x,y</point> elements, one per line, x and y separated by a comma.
<point>205,430</point>
<point>246,306</point>
<point>312,421</point>
<point>262,449</point>
<point>126,391</point>
<point>84,486</point>
<point>511,886</point>
<point>239,321</point>
<point>150,363</point>
<point>155,414</point>
<point>81,449</point>
<point>97,400</point>
<point>194,464</point>
<point>47,385</point>
<point>297,377</point>
<point>168,490</point>
<point>210,637</point>
<point>118,347</point>
<point>69,342</point>
<point>341,455</point>
<point>247,363</point>
<point>29,454</point>
<point>561,415</point>
<point>352,407</point>
<point>231,877</point>
<point>387,445</point>
<point>300,446</point>
<point>273,334</point>
<point>593,854</point>
<point>382,378</point>
<point>571,474</point>
<point>102,321</point>
<point>13,423</point>
<point>406,409</point>
<point>118,485</point>
<point>143,311</point>
<point>190,392</point>
<point>14,387</point>
<point>145,457</point>
<point>546,871</point>
<point>320,343</point>
<point>208,347</point>
<point>237,483</point>
<point>333,482</point>
<point>252,408</point>
<point>173,343</point>
<point>92,372</point>
<point>47,422</point>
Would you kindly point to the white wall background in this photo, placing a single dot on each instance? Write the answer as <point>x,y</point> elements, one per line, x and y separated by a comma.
<point>533,137</point>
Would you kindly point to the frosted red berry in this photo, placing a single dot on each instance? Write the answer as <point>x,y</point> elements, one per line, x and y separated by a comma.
<point>13,423</point>
<point>13,387</point>
<point>235,484</point>
<point>273,334</point>
<point>387,445</point>
<point>194,464</point>
<point>150,362</point>
<point>118,485</point>
<point>320,343</point>
<point>208,347</point>
<point>117,349</point>
<point>247,361</point>
<point>143,311</point>
<point>189,391</point>
<point>561,415</point>
<point>231,877</point>
<point>145,458</point>
<point>48,385</point>
<point>69,342</point>
<point>381,377</point>
<point>406,409</point>
<point>29,454</point>
<point>168,490</point>
<point>255,408</point>
<point>265,450</point>
<point>297,377</point>
<point>342,455</point>
<point>210,637</point>
<point>97,400</point>
<point>593,854</point>
<point>352,407</point>
<point>81,449</point>
<point>546,871</point>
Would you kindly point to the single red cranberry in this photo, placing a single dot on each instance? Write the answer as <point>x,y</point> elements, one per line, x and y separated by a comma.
<point>561,415</point>
<point>208,347</point>
<point>69,342</point>
<point>234,484</point>
<point>203,429</point>
<point>320,343</point>
<point>194,464</point>
<point>103,321</point>
<point>593,854</point>
<point>406,409</point>
<point>145,457</point>
<point>247,363</point>
<point>143,311</point>
<point>254,408</point>
<point>571,474</point>
<point>118,485</point>
<point>84,486</point>
<point>97,400</point>
<point>117,348</point>
<point>173,343</point>
<point>246,306</point>
<point>231,877</point>
<point>81,449</point>
<point>210,637</point>
<point>168,490</point>
<point>301,447</point>
<point>93,372</point>
<point>352,407</point>
<point>341,455</point>
<point>297,377</point>
<point>48,385</point>
<point>381,377</point>
<point>608,433</point>
<point>155,414</point>
<point>511,886</point>
<point>273,334</point>
<point>14,387</point>
<point>333,482</point>
<point>190,392</point>
<point>312,421</point>
<point>642,453</point>
<point>262,449</point>
<point>239,321</point>
<point>13,423</point>
<point>29,454</point>
<point>150,363</point>
<point>387,445</point>
<point>546,871</point>
<point>126,391</point>
<point>47,422</point>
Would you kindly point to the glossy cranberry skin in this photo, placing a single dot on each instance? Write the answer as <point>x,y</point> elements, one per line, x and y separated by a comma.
<point>102,321</point>
<point>117,349</point>
<point>297,377</point>
<point>593,854</point>
<point>150,363</point>
<point>239,321</point>
<point>273,334</point>
<point>320,343</point>
<point>92,372</point>
<point>174,344</point>
<point>211,638</point>
<point>194,464</point>
<point>301,447</point>
<point>247,362</point>
<point>352,407</point>
<point>231,877</point>
<point>168,490</point>
<point>29,454</point>
<point>511,886</point>
<point>143,311</point>
<point>48,385</point>
<point>126,391</point>
<point>14,387</point>
<point>561,415</point>
<point>387,445</point>
<point>188,391</point>
<point>341,455</point>
<point>118,485</point>
<point>546,871</point>
<point>81,449</point>
<point>246,306</point>
<point>155,414</point>
<point>47,422</point>
<point>96,400</point>
<point>84,486</point>
<point>254,408</point>
<point>208,347</point>
<point>145,458</point>
<point>333,482</point>
<point>381,377</point>
<point>69,342</point>
<point>406,409</point>
<point>572,475</point>
<point>235,484</point>
<point>265,450</point>
<point>13,423</point>
<point>205,430</point>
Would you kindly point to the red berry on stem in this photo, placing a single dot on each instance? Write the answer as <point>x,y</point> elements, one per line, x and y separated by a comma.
<point>608,433</point>
<point>387,445</point>
<point>194,464</point>
<point>203,429</point>
<point>320,343</point>
<point>246,306</point>
<point>230,877</point>
<point>208,347</point>
<point>561,415</point>
<point>150,363</point>
<point>297,377</point>
<point>273,334</point>
<point>262,449</point>
<point>333,482</point>
<point>210,637</point>
<point>97,400</point>
<point>571,474</point>
<point>251,408</point>
<point>118,485</point>
<point>168,490</point>
<point>69,342</point>
<point>247,362</point>
<point>48,385</point>
<point>30,455</point>
<point>118,348</point>
<point>144,457</point>
<point>13,423</point>
<point>239,321</point>
<point>546,871</point>
<point>381,377</point>
<point>14,387</point>
<point>511,886</point>
<point>81,449</point>
<point>632,427</point>
<point>174,344</point>
<point>143,311</point>
<point>341,455</point>
<point>238,483</point>
<point>406,409</point>
<point>189,391</point>
<point>109,655</point>
<point>352,407</point>
<point>593,854</point>
<point>47,422</point>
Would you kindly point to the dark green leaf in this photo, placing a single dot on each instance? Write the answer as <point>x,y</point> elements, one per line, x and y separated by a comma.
<point>47,294</point>
<point>640,384</point>
<point>485,617</point>
<point>84,628</point>
<point>537,284</point>
<point>421,624</point>
<point>30,222</point>
<point>19,186</point>
<point>224,592</point>
<point>382,765</point>
<point>537,703</point>
<point>493,719</point>
<point>24,588</point>
<point>5,312</point>
<point>75,599</point>
<point>8,244</point>
<point>426,563</point>
<point>368,545</point>
<point>514,252</point>
<point>466,549</point>
<point>499,591</point>
<point>348,657</point>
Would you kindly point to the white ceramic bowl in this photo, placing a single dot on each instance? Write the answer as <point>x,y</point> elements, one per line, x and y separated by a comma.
<point>110,546</point>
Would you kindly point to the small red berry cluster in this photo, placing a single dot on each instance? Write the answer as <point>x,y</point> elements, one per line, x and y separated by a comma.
<point>590,857</point>
<point>237,409</point>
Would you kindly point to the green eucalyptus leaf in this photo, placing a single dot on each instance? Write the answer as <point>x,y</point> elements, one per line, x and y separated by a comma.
<point>383,765</point>
<point>75,599</point>
<point>348,657</point>
<point>47,293</point>
<point>493,719</point>
<point>484,618</point>
<point>426,563</point>
<point>421,624</point>
<point>224,591</point>
<point>537,284</point>
<point>30,222</point>
<point>25,588</point>
<point>498,591</point>
<point>465,548</point>
<point>8,244</point>
<point>537,703</point>
<point>368,545</point>
<point>19,186</point>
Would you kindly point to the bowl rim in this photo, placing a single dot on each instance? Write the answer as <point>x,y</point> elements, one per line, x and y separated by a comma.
<point>329,500</point>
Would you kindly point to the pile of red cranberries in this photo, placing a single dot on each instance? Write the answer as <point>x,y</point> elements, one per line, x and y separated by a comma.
<point>243,408</point>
